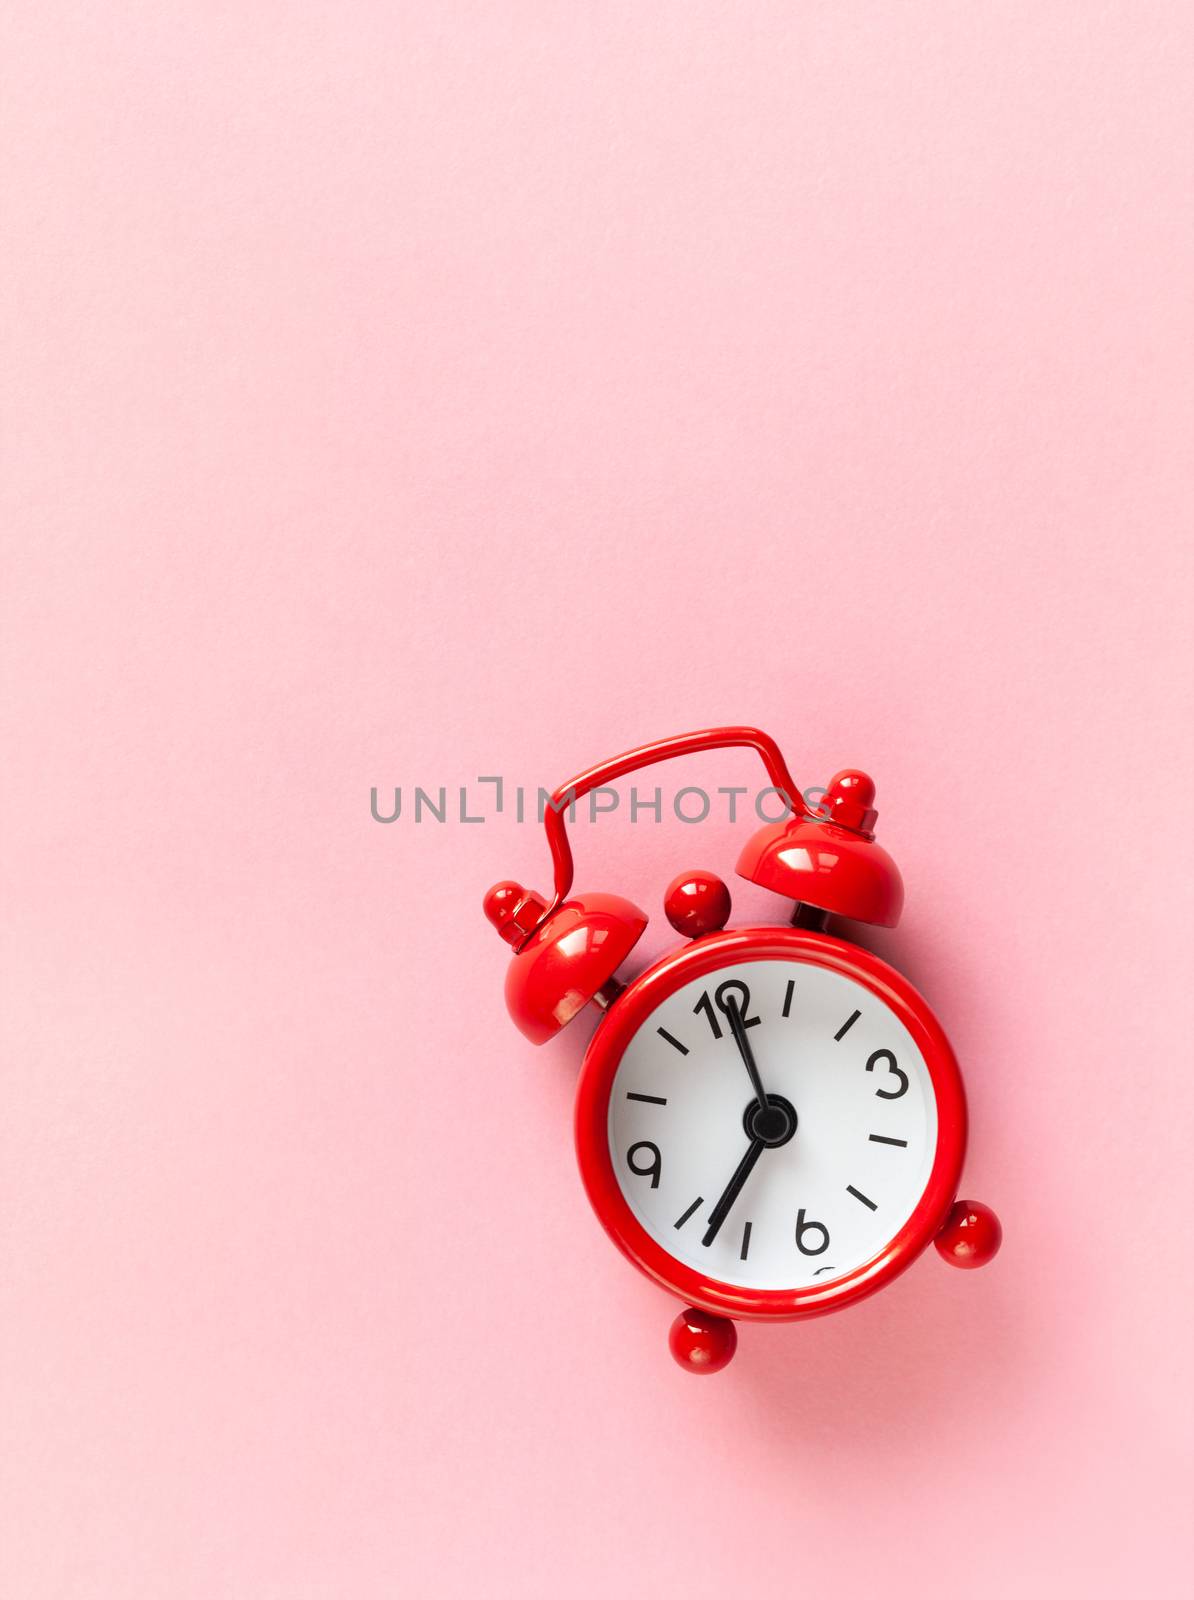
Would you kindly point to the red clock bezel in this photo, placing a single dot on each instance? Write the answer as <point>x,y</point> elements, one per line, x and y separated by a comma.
<point>600,1065</point>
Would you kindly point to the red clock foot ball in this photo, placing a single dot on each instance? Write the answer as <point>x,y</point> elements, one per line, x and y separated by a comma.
<point>702,1342</point>
<point>971,1235</point>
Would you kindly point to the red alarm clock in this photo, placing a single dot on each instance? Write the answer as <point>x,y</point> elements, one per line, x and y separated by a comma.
<point>770,1122</point>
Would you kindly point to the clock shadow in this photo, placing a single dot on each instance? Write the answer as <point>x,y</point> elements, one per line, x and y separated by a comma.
<point>914,1360</point>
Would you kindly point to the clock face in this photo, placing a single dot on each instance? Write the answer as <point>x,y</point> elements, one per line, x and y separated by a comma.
<point>799,1194</point>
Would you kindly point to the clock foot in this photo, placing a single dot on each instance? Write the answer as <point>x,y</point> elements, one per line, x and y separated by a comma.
<point>971,1235</point>
<point>702,1342</point>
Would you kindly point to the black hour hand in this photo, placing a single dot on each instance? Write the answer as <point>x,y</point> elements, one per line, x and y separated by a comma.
<point>733,1189</point>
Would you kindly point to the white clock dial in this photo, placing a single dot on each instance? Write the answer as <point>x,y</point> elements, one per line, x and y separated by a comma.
<point>837,1166</point>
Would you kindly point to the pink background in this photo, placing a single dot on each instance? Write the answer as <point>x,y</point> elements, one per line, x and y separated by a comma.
<point>395,394</point>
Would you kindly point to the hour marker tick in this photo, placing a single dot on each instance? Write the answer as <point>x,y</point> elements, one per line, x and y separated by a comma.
<point>788,995</point>
<point>881,1138</point>
<point>847,1025</point>
<point>664,1034</point>
<point>858,1195</point>
<point>742,1254</point>
<point>649,1099</point>
<point>680,1221</point>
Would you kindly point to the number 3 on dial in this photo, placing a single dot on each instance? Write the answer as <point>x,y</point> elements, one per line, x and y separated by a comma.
<point>885,1056</point>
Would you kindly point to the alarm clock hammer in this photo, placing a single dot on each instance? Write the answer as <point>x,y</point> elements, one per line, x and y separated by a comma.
<point>816,1020</point>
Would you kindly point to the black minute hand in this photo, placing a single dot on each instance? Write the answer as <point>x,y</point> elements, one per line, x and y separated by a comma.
<point>733,1189</point>
<point>738,1029</point>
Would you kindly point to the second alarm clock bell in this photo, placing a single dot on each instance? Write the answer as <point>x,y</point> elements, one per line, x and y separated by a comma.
<point>770,1122</point>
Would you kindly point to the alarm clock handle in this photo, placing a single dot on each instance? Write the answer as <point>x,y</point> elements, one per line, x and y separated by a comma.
<point>680,744</point>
